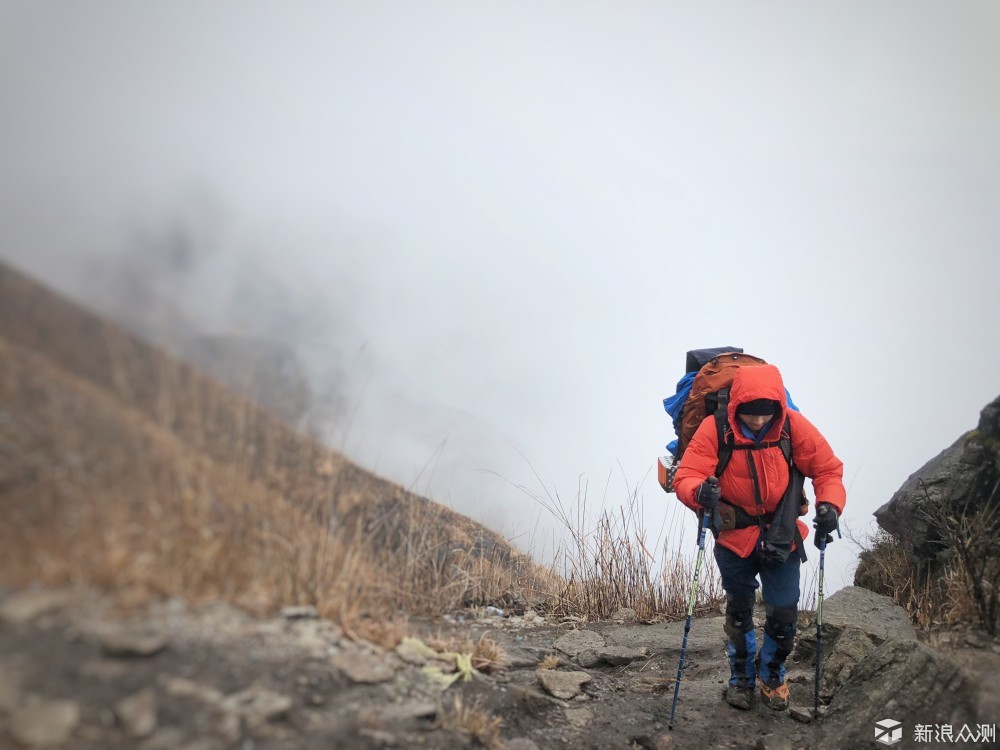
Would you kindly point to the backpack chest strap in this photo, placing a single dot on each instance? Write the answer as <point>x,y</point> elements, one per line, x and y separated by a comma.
<point>727,442</point>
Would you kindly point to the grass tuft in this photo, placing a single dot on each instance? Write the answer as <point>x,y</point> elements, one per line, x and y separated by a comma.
<point>474,722</point>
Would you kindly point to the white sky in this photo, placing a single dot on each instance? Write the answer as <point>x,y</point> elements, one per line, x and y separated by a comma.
<point>524,214</point>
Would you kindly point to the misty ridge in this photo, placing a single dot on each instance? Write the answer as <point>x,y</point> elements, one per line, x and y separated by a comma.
<point>253,316</point>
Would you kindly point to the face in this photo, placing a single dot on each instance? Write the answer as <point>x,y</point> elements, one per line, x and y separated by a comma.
<point>755,422</point>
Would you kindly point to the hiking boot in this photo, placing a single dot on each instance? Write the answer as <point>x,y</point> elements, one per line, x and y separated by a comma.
<point>774,697</point>
<point>739,697</point>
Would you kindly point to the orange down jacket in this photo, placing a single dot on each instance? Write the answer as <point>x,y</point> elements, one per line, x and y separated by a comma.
<point>811,453</point>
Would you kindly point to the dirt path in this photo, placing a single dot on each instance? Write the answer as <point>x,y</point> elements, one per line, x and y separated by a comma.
<point>631,703</point>
<point>211,677</point>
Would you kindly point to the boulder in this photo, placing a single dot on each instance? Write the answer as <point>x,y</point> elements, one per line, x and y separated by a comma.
<point>801,714</point>
<point>964,475</point>
<point>859,613</point>
<point>874,614</point>
<point>362,667</point>
<point>927,488</point>
<point>856,622</point>
<point>564,685</point>
<point>620,656</point>
<point>900,680</point>
<point>575,641</point>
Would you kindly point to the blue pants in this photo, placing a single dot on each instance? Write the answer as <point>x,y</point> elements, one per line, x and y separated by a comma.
<point>781,596</point>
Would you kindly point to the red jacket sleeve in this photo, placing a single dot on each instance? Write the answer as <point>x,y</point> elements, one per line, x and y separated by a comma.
<point>815,458</point>
<point>698,463</point>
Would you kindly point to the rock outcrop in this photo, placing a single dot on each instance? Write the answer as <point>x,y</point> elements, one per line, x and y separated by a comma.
<point>875,669</point>
<point>904,681</point>
<point>856,622</point>
<point>964,476</point>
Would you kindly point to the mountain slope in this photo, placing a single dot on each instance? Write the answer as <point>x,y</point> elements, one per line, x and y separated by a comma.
<point>124,467</point>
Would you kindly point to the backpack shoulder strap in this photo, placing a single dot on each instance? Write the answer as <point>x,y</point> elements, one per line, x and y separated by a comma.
<point>795,479</point>
<point>727,443</point>
<point>785,440</point>
<point>724,432</point>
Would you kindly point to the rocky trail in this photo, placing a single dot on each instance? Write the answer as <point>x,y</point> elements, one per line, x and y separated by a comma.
<point>76,674</point>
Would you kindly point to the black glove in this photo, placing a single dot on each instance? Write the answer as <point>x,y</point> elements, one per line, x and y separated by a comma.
<point>825,523</point>
<point>708,494</point>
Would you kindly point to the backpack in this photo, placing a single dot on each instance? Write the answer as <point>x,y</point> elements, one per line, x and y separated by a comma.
<point>704,391</point>
<point>710,392</point>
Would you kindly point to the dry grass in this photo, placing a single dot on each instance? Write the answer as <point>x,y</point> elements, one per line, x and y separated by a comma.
<point>474,722</point>
<point>132,472</point>
<point>549,662</point>
<point>385,635</point>
<point>610,566</point>
<point>125,469</point>
<point>969,532</point>
<point>931,595</point>
<point>434,560</point>
<point>952,574</point>
<point>121,504</point>
<point>487,655</point>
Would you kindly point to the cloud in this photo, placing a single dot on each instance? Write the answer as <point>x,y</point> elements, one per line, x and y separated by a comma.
<point>498,230</point>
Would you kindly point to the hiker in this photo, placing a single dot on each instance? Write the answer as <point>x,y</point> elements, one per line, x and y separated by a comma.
<point>744,500</point>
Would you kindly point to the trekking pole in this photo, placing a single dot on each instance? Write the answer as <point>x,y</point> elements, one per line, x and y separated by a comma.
<point>703,521</point>
<point>819,622</point>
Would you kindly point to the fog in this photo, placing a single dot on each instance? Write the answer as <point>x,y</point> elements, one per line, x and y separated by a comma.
<point>492,231</point>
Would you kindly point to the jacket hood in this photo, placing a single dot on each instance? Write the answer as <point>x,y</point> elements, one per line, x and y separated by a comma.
<point>751,383</point>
